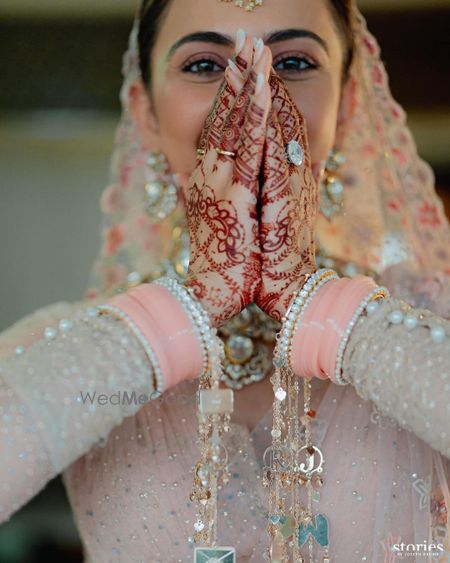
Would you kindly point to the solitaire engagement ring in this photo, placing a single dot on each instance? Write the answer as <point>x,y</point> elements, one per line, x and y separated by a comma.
<point>294,153</point>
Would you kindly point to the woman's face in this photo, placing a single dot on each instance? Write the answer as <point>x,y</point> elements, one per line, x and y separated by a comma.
<point>187,65</point>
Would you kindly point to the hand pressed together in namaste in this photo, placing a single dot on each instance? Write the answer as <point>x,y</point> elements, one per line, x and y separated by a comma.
<point>250,211</point>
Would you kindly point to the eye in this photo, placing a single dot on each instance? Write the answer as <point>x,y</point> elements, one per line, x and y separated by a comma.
<point>293,63</point>
<point>203,67</point>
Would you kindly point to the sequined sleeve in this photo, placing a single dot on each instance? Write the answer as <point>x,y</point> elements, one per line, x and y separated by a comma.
<point>61,395</point>
<point>399,358</point>
<point>429,291</point>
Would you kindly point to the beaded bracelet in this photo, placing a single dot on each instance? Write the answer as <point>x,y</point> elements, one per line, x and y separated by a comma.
<point>378,293</point>
<point>198,316</point>
<point>300,300</point>
<point>158,380</point>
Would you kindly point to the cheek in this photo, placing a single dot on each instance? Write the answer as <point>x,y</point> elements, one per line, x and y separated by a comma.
<point>319,106</point>
<point>181,112</point>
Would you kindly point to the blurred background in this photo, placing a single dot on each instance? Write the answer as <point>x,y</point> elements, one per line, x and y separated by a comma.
<point>60,63</point>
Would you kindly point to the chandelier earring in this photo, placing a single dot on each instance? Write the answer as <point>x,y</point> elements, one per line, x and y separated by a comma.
<point>331,186</point>
<point>161,193</point>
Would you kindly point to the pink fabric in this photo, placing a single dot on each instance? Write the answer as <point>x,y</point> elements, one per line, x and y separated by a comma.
<point>167,328</point>
<point>317,339</point>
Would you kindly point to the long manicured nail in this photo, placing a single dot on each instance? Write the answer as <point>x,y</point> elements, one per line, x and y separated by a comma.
<point>240,40</point>
<point>235,69</point>
<point>260,79</point>
<point>259,48</point>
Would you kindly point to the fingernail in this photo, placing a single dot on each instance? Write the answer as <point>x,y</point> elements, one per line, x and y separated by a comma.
<point>260,79</point>
<point>234,68</point>
<point>240,40</point>
<point>259,48</point>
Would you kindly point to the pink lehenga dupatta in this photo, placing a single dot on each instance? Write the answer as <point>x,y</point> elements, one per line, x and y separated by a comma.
<point>386,484</point>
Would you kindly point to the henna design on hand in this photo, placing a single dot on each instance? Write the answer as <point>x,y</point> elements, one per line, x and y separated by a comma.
<point>225,263</point>
<point>289,200</point>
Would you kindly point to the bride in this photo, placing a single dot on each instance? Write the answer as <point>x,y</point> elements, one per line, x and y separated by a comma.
<point>258,143</point>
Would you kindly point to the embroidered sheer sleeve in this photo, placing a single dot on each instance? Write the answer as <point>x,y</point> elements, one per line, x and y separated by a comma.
<point>430,291</point>
<point>399,358</point>
<point>63,393</point>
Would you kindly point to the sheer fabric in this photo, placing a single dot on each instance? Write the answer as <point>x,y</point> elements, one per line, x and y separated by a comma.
<point>127,468</point>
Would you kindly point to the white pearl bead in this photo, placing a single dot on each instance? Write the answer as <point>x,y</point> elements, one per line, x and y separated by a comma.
<point>396,317</point>
<point>19,350</point>
<point>65,325</point>
<point>438,334</point>
<point>410,322</point>
<point>372,307</point>
<point>50,333</point>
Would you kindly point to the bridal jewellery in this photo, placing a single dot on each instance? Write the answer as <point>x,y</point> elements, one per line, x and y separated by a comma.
<point>214,408</point>
<point>291,519</point>
<point>248,5</point>
<point>294,153</point>
<point>331,187</point>
<point>161,192</point>
<point>225,153</point>
<point>293,464</point>
<point>249,336</point>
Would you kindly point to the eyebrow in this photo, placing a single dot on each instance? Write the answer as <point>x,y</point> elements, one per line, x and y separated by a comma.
<point>227,41</point>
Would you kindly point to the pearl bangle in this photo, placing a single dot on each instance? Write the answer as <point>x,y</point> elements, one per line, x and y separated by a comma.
<point>158,383</point>
<point>299,302</point>
<point>196,314</point>
<point>379,292</point>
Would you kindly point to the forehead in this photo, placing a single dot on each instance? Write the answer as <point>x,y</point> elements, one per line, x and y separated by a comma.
<point>188,16</point>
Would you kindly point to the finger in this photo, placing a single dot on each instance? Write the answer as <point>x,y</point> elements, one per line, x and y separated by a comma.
<point>225,96</point>
<point>244,52</point>
<point>238,114</point>
<point>288,199</point>
<point>241,63</point>
<point>276,169</point>
<point>214,122</point>
<point>234,77</point>
<point>251,147</point>
<point>292,121</point>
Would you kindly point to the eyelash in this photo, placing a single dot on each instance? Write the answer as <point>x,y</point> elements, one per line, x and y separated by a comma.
<point>297,59</point>
<point>188,67</point>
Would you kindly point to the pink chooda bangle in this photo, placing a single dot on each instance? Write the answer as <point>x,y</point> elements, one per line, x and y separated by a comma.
<point>338,319</point>
<point>316,341</point>
<point>167,328</point>
<point>309,333</point>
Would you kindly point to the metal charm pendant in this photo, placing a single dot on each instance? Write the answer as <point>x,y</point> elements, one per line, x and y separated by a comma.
<point>214,555</point>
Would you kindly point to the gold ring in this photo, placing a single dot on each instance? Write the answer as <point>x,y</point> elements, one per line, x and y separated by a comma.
<point>225,153</point>
<point>201,152</point>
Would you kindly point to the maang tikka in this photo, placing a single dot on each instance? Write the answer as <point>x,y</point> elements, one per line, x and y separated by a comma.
<point>248,5</point>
